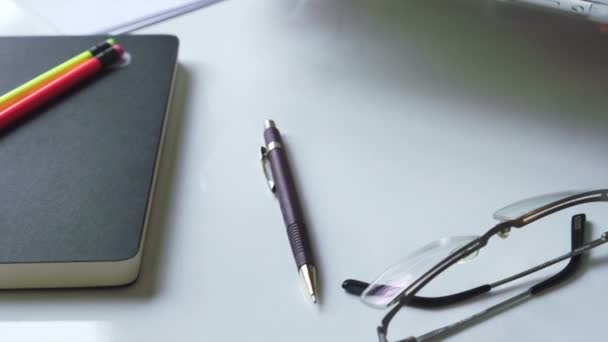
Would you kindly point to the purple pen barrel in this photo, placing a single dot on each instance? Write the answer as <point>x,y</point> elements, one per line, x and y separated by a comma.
<point>287,194</point>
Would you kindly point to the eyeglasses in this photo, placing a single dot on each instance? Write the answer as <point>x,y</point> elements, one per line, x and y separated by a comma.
<point>397,286</point>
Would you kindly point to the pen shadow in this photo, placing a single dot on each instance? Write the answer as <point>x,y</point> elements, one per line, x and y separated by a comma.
<point>149,282</point>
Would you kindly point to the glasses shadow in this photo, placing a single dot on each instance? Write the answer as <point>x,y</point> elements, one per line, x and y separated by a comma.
<point>545,69</point>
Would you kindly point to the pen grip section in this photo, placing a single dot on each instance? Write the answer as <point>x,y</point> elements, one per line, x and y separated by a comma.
<point>296,233</point>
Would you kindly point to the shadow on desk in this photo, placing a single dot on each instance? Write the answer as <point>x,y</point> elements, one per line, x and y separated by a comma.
<point>154,260</point>
<point>543,68</point>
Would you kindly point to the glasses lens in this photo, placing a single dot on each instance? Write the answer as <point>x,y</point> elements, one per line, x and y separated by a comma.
<point>523,207</point>
<point>393,282</point>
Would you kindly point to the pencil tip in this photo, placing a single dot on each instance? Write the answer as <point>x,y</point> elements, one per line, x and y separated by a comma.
<point>314,298</point>
<point>119,49</point>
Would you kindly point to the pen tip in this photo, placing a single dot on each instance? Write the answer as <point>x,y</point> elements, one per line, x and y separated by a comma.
<point>314,298</point>
<point>269,124</point>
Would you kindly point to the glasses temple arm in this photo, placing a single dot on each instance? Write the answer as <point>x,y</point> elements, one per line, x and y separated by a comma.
<point>578,235</point>
<point>578,239</point>
<point>356,287</point>
<point>448,329</point>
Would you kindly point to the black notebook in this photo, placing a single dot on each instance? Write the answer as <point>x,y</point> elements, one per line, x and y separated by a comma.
<point>77,175</point>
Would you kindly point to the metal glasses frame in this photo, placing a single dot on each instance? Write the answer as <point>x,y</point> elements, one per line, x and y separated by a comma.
<point>407,295</point>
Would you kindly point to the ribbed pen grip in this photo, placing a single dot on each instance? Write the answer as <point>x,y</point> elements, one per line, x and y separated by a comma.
<point>296,232</point>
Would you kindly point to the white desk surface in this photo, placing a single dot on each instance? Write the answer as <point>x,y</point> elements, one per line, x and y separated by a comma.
<point>406,121</point>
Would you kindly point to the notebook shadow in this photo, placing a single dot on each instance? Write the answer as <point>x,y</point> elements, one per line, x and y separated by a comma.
<point>150,279</point>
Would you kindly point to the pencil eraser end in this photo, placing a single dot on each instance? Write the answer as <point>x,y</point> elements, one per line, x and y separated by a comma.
<point>118,49</point>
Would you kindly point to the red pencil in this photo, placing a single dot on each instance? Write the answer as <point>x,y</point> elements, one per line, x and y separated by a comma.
<point>60,85</point>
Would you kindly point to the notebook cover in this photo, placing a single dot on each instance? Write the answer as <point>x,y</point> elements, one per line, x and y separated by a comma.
<point>76,175</point>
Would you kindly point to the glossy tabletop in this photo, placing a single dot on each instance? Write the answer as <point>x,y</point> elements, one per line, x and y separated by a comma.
<point>406,121</point>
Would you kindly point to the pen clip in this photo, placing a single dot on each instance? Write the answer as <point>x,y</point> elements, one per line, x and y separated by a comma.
<point>264,161</point>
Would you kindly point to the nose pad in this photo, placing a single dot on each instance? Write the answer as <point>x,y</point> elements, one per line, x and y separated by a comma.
<point>504,233</point>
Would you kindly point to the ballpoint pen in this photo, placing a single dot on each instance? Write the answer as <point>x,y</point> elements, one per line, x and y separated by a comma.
<point>283,186</point>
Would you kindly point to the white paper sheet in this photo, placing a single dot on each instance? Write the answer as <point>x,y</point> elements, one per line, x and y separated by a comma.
<point>113,17</point>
